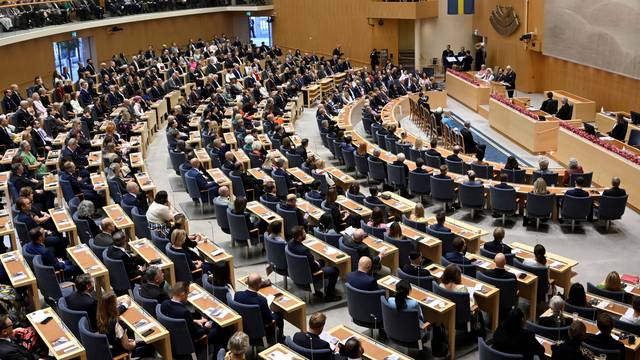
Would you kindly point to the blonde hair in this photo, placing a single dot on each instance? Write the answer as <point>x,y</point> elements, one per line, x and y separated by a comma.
<point>110,127</point>
<point>319,164</point>
<point>539,186</point>
<point>419,144</point>
<point>178,237</point>
<point>418,211</point>
<point>612,282</point>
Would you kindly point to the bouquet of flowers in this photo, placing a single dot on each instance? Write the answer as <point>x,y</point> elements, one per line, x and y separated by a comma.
<point>464,76</point>
<point>596,140</point>
<point>522,110</point>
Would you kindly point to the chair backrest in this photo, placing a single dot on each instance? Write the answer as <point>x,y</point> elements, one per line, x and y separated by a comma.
<point>442,189</point>
<point>238,186</point>
<point>456,167</point>
<point>445,237</point>
<point>425,282</point>
<point>141,224</point>
<point>349,159</point>
<point>281,185</point>
<point>396,175</point>
<point>67,190</point>
<point>491,255</point>
<point>117,272</point>
<point>47,281</point>
<point>237,226</point>
<point>540,205</point>
<point>254,160</point>
<point>295,160</point>
<point>377,170</point>
<point>381,139</point>
<point>276,254</point>
<point>612,207</point>
<point>331,239</point>
<point>610,354</point>
<point>74,203</point>
<point>364,306</point>
<point>550,178</point>
<point>71,318</point>
<point>180,264</point>
<point>587,177</point>
<point>371,230</point>
<point>503,200</point>
<point>584,312</point>
<point>114,192</point>
<point>471,196</point>
<point>272,205</point>
<point>390,143</point>
<point>177,159</point>
<point>127,208</point>
<point>324,186</point>
<point>148,304</point>
<point>419,183</point>
<point>192,187</point>
<point>95,344</point>
<point>634,137</point>
<point>84,231</point>
<point>576,207</point>
<point>290,219</point>
<point>514,175</point>
<point>414,154</point>
<point>462,300</point>
<point>508,290</point>
<point>353,253</point>
<point>627,326</point>
<point>97,250</point>
<point>22,230</point>
<point>420,226</point>
<point>298,267</point>
<point>359,198</point>
<point>319,354</point>
<point>405,247</point>
<point>361,164</point>
<point>401,326</point>
<point>541,272</point>
<point>488,353</point>
<point>482,171</point>
<point>181,342</point>
<point>221,215</point>
<point>553,333</point>
<point>251,318</point>
<point>613,295</point>
<point>337,149</point>
<point>467,269</point>
<point>432,161</point>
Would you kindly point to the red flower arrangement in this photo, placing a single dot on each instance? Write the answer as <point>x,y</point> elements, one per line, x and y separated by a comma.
<point>596,140</point>
<point>522,110</point>
<point>465,76</point>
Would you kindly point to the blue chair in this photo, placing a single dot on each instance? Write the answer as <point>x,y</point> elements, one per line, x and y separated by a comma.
<point>97,250</point>
<point>238,186</point>
<point>149,305</point>
<point>252,323</point>
<point>48,283</point>
<point>272,205</point>
<point>503,202</point>
<point>463,305</point>
<point>482,171</point>
<point>442,190</point>
<point>390,144</point>
<point>67,190</point>
<point>141,224</point>
<point>74,203</point>
<point>587,177</point>
<point>353,253</point>
<point>467,269</point>
<point>424,282</point>
<point>584,312</point>
<point>472,197</point>
<point>576,208</point>
<point>290,219</point>
<point>543,277</point>
<point>337,151</point>
<point>221,215</point>
<point>402,327</point>
<point>359,198</point>
<point>432,161</point>
<point>96,344</point>
<point>254,160</point>
<point>540,206</point>
<point>374,231</point>
<point>181,342</point>
<point>117,274</point>
<point>362,165</point>
<point>508,291</point>
<point>308,353</point>
<point>184,168</point>
<point>626,326</point>
<point>22,230</point>
<point>381,140</point>
<point>84,231</point>
<point>612,208</point>
<point>420,226</point>
<point>396,176</point>
<point>619,296</point>
<point>324,185</point>
<point>364,307</point>
<point>456,167</point>
<point>158,241</point>
<point>405,247</point>
<point>331,239</point>
<point>127,208</point>
<point>300,271</point>
<point>276,257</point>
<point>610,354</point>
<point>550,178</point>
<point>219,292</point>
<point>414,154</point>
<point>488,353</point>
<point>181,266</point>
<point>281,186</point>
<point>419,184</point>
<point>349,160</point>
<point>71,318</point>
<point>377,171</point>
<point>553,333</point>
<point>177,159</point>
<point>238,228</point>
<point>445,237</point>
<point>513,175</point>
<point>199,196</point>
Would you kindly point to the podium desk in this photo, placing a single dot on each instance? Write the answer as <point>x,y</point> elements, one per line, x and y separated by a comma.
<point>583,109</point>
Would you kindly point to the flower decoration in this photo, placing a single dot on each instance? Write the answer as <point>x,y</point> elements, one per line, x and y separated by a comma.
<point>596,140</point>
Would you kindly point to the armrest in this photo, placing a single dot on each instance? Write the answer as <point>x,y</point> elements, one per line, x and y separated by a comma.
<point>67,284</point>
<point>122,356</point>
<point>196,271</point>
<point>319,272</point>
<point>136,279</point>
<point>426,326</point>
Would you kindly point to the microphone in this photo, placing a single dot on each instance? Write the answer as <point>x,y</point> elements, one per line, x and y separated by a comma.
<point>558,324</point>
<point>310,342</point>
<point>375,323</point>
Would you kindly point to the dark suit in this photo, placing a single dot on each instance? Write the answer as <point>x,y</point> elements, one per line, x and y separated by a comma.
<point>309,340</point>
<point>11,351</point>
<point>440,228</point>
<point>498,273</point>
<point>362,281</point>
<point>434,152</point>
<point>249,297</point>
<point>606,342</point>
<point>569,349</point>
<point>330,273</point>
<point>416,270</point>
<point>552,321</point>
<point>84,302</point>
<point>510,79</point>
<point>565,112</point>
<point>614,191</point>
<point>469,143</point>
<point>497,247</point>
<point>503,186</point>
<point>619,132</point>
<point>521,342</point>
<point>152,291</point>
<point>130,263</point>
<point>5,139</point>
<point>361,248</point>
<point>178,310</point>
<point>457,258</point>
<point>550,106</point>
<point>577,192</point>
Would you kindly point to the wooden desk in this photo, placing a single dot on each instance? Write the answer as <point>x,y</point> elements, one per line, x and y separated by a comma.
<point>53,158</point>
<point>139,321</point>
<point>398,203</point>
<point>121,219</point>
<point>146,184</point>
<point>389,254</point>
<point>615,308</point>
<point>583,109</point>
<point>435,309</point>
<point>203,157</point>
<point>300,175</point>
<point>266,142</point>
<point>137,161</point>
<point>276,154</point>
<point>326,85</point>
<point>314,212</point>
<point>471,95</point>
<point>58,338</point>
<point>240,156</point>
<point>547,343</point>
<point>311,93</point>
<point>470,233</point>
<point>58,142</point>
<point>330,254</point>
<point>99,182</point>
<point>341,179</point>
<point>8,156</point>
<point>487,296</point>
<point>216,254</point>
<point>354,207</point>
<point>560,267</point>
<point>527,286</point>
<point>7,229</point>
<point>230,139</point>
<point>373,350</point>
<point>213,308</point>
<point>151,255</point>
<point>50,183</point>
<point>89,263</point>
<point>20,274</point>
<point>429,246</point>
<point>64,224</point>
<point>265,214</point>
<point>292,307</point>
<point>279,351</point>
<point>606,122</point>
<point>259,174</point>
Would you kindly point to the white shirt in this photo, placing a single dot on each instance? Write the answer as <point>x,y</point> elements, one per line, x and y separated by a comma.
<point>631,318</point>
<point>158,213</point>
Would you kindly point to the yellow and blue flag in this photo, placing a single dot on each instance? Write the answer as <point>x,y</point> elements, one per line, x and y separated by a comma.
<point>459,7</point>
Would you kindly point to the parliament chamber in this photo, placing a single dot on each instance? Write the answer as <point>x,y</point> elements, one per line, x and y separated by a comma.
<point>305,179</point>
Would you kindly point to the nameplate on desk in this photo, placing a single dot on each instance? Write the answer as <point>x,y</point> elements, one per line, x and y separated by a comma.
<point>279,355</point>
<point>61,344</point>
<point>217,252</point>
<point>391,281</point>
<point>217,312</point>
<point>195,295</point>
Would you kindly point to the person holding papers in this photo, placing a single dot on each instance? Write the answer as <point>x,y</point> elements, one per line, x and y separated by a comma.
<point>313,339</point>
<point>272,320</point>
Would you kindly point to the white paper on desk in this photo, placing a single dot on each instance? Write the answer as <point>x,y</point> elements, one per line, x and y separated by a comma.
<point>62,344</point>
<point>556,264</point>
<point>217,252</point>
<point>392,357</point>
<point>144,328</point>
<point>278,355</point>
<point>438,274</point>
<point>606,138</point>
<point>516,251</point>
<point>311,242</point>
<point>602,304</point>
<point>19,276</point>
<point>330,250</point>
<point>515,272</point>
<point>349,231</point>
<point>391,281</point>
<point>629,288</point>
<point>483,264</point>
<point>38,316</point>
<point>382,248</point>
<point>195,296</point>
<point>628,314</point>
<point>436,303</point>
<point>9,258</point>
<point>222,313</point>
<point>270,299</point>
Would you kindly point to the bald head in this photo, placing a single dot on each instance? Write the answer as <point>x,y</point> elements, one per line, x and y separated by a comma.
<point>359,235</point>
<point>364,264</point>
<point>195,163</point>
<point>253,282</point>
<point>132,187</point>
<point>223,191</point>
<point>500,260</point>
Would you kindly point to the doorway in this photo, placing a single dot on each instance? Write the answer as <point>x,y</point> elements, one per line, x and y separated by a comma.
<point>260,30</point>
<point>69,54</point>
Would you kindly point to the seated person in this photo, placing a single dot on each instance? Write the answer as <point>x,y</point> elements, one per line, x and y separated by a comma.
<point>566,110</point>
<point>81,185</point>
<point>10,349</point>
<point>270,193</point>
<point>457,256</point>
<point>315,193</point>
<point>539,260</point>
<point>238,346</point>
<point>339,216</point>
<point>352,349</point>
<point>330,273</point>
<point>250,184</point>
<point>104,238</point>
<point>400,301</point>
<point>133,264</point>
<point>416,265</point>
<point>543,167</point>
<point>441,218</point>
<point>574,168</point>
<point>499,272</point>
<point>373,196</point>
<point>153,285</point>
<point>512,163</point>
<point>572,348</point>
<point>443,173</point>
<point>223,196</point>
<point>577,191</point>
<point>356,242</point>
<point>512,337</point>
<point>417,214</point>
<point>203,184</point>
<point>612,282</point>
<point>400,161</point>
<point>504,178</point>
<point>497,246</point>
<point>471,179</point>
<point>82,299</point>
<point>311,339</point>
<point>197,267</point>
<point>452,280</point>
<point>134,197</point>
<point>619,131</point>
<point>37,247</point>
<point>362,279</point>
<point>556,318</point>
<point>272,320</point>
<point>454,157</point>
<point>615,189</point>
<point>255,226</point>
<point>420,167</point>
<point>274,231</point>
<point>377,218</point>
<point>290,204</point>
<point>433,151</point>
<point>480,159</point>
<point>578,296</point>
<point>604,340</point>
<point>325,225</point>
<point>86,211</point>
<point>633,318</point>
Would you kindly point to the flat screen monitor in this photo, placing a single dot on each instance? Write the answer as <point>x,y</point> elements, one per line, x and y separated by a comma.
<point>589,129</point>
<point>635,118</point>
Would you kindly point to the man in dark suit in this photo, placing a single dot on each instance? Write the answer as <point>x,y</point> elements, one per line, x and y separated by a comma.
<point>279,170</point>
<point>439,225</point>
<point>361,278</point>
<point>8,105</point>
<point>82,299</point>
<point>176,308</point>
<point>499,271</point>
<point>603,340</point>
<point>420,168</point>
<point>8,349</point>
<point>201,180</point>
<point>37,247</point>
<point>400,161</point>
<point>272,320</point>
<point>355,241</point>
<point>134,197</point>
<point>615,189</point>
<point>329,273</point>
<point>22,118</point>
<point>550,105</point>
<point>105,238</point>
<point>566,110</point>
<point>80,185</point>
<point>470,145</point>
<point>152,285</point>
<point>72,153</point>
<point>454,156</point>
<point>5,137</point>
<point>433,150</point>
<point>416,264</point>
<point>503,183</point>
<point>133,264</point>
<point>497,246</point>
<point>457,256</point>
<point>270,192</point>
<point>311,339</point>
<point>373,196</point>
<point>248,181</point>
<point>510,81</point>
<point>577,190</point>
<point>315,192</point>
<point>619,131</point>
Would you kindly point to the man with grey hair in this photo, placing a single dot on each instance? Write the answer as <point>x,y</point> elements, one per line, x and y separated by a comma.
<point>544,166</point>
<point>279,171</point>
<point>153,284</point>
<point>71,152</point>
<point>23,117</point>
<point>454,157</point>
<point>108,227</point>
<point>136,198</point>
<point>556,318</point>
<point>355,241</point>
<point>223,196</point>
<point>615,189</point>
<point>400,161</point>
<point>566,110</point>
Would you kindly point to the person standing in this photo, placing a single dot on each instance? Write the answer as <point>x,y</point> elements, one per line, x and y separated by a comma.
<point>375,59</point>
<point>481,56</point>
<point>510,81</point>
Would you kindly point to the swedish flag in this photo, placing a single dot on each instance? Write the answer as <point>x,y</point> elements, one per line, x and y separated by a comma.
<point>459,7</point>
